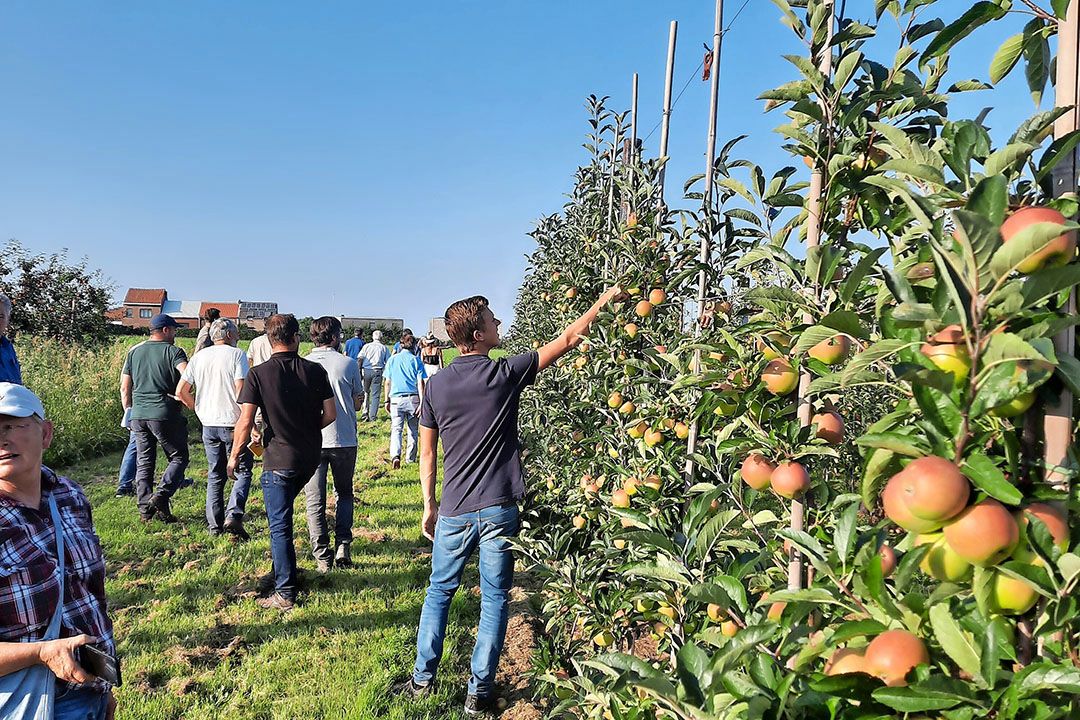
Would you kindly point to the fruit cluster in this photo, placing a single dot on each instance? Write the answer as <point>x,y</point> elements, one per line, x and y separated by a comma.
<point>929,498</point>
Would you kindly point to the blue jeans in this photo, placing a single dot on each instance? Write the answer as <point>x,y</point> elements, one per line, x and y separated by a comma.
<point>218,443</point>
<point>280,488</point>
<point>80,704</point>
<point>456,538</point>
<point>403,416</point>
<point>126,481</point>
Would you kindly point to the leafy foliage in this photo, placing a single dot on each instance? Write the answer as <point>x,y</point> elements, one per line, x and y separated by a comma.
<point>668,587</point>
<point>53,297</point>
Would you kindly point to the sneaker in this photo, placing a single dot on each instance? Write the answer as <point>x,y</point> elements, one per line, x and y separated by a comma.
<point>277,601</point>
<point>215,532</point>
<point>235,527</point>
<point>324,566</point>
<point>148,514</point>
<point>160,506</point>
<point>397,463</point>
<point>125,491</point>
<point>185,483</point>
<point>480,706</point>
<point>343,557</point>
<point>415,689</point>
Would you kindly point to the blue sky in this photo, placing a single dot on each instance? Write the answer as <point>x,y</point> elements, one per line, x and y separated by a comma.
<point>356,158</point>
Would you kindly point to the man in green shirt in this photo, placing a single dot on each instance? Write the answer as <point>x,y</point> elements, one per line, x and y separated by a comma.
<point>149,378</point>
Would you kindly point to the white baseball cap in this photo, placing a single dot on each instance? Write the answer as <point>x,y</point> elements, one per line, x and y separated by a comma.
<point>18,401</point>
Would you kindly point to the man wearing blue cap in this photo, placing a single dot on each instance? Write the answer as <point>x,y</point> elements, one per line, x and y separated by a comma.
<point>150,375</point>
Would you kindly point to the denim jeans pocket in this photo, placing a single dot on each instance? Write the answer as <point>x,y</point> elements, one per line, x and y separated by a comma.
<point>281,478</point>
<point>506,522</point>
<point>453,533</point>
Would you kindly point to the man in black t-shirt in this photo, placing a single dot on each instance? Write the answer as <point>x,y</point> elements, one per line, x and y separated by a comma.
<point>297,402</point>
<point>472,404</point>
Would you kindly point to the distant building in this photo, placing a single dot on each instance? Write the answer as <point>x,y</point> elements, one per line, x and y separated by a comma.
<point>437,327</point>
<point>228,310</point>
<point>364,323</point>
<point>141,304</point>
<point>185,312</point>
<point>251,310</point>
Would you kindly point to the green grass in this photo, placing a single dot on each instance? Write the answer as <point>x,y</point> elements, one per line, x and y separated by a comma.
<point>450,353</point>
<point>195,645</point>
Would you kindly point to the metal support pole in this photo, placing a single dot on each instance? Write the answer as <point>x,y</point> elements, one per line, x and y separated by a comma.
<point>707,216</point>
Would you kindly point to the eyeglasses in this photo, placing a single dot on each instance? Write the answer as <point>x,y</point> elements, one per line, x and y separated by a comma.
<point>9,427</point>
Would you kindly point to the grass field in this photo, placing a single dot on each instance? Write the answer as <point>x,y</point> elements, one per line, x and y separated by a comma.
<point>195,645</point>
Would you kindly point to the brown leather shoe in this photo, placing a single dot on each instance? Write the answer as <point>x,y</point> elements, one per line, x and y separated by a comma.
<point>277,601</point>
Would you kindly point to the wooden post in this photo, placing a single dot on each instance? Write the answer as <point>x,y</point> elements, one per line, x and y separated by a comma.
<point>633,117</point>
<point>813,239</point>
<point>703,276</point>
<point>1058,425</point>
<point>630,148</point>
<point>665,122</point>
<point>1057,420</point>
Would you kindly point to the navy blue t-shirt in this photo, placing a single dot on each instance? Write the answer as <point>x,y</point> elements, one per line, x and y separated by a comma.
<point>473,403</point>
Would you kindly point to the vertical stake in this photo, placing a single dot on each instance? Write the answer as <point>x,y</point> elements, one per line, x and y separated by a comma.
<point>707,215</point>
<point>665,122</point>
<point>633,115</point>
<point>813,239</point>
<point>1058,421</point>
<point>1058,425</point>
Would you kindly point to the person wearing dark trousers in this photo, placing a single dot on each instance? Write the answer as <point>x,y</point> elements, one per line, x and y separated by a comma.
<point>297,402</point>
<point>338,449</point>
<point>472,406</point>
<point>147,382</point>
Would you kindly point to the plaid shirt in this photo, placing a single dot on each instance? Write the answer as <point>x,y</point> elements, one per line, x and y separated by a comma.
<point>29,587</point>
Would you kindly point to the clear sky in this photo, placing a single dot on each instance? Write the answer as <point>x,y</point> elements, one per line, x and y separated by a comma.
<point>355,158</point>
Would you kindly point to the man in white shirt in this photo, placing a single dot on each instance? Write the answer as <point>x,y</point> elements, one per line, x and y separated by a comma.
<point>217,375</point>
<point>373,357</point>
<point>259,350</point>
<point>338,448</point>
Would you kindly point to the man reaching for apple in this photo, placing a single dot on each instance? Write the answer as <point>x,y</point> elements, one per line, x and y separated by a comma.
<point>473,405</point>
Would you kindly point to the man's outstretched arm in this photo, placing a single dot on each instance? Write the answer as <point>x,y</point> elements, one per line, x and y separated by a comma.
<point>429,453</point>
<point>573,334</point>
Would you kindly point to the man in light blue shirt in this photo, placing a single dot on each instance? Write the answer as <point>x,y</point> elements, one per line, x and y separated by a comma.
<point>404,377</point>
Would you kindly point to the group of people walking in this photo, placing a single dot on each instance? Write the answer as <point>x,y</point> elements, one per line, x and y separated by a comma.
<point>300,415</point>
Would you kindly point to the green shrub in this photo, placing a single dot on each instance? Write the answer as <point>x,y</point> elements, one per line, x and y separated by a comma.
<point>79,385</point>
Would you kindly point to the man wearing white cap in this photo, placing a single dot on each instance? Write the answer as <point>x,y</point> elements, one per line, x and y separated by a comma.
<point>53,602</point>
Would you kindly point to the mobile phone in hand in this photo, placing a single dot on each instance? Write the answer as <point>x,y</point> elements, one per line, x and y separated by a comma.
<point>99,663</point>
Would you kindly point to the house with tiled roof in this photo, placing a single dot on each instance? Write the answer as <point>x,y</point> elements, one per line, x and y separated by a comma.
<point>141,304</point>
<point>228,310</point>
